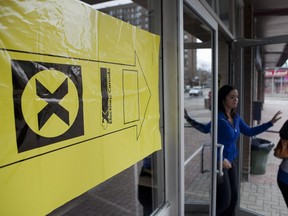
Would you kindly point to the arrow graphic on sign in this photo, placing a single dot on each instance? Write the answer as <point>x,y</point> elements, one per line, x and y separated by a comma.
<point>53,96</point>
<point>135,95</point>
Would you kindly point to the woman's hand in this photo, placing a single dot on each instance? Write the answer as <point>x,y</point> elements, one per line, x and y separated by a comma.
<point>186,116</point>
<point>276,117</point>
<point>226,164</point>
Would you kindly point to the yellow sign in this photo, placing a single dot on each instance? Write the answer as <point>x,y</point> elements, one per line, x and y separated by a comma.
<point>79,98</point>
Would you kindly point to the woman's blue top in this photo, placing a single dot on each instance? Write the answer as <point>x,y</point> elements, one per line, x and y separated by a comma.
<point>282,176</point>
<point>283,171</point>
<point>228,134</point>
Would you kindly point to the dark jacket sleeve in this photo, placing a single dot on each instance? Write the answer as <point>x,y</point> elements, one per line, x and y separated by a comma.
<point>204,128</point>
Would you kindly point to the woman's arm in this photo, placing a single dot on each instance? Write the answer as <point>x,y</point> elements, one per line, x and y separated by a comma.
<point>253,131</point>
<point>204,128</point>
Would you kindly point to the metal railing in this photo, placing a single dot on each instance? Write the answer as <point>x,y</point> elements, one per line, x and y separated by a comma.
<point>201,149</point>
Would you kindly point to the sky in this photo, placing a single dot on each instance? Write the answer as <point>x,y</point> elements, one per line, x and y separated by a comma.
<point>204,59</point>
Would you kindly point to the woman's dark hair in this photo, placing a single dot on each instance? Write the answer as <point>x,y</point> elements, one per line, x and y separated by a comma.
<point>222,94</point>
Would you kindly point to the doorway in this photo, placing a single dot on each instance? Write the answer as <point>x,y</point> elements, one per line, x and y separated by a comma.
<point>263,80</point>
<point>200,85</point>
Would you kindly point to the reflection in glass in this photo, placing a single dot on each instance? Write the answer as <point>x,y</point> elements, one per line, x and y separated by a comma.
<point>138,190</point>
<point>225,10</point>
<point>197,101</point>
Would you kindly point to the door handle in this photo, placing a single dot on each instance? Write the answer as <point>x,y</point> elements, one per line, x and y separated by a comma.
<point>220,171</point>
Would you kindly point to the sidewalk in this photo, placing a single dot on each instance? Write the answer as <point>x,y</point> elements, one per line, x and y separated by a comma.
<point>261,193</point>
<point>117,196</point>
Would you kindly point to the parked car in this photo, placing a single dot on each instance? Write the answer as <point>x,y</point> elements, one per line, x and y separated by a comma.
<point>187,88</point>
<point>196,91</point>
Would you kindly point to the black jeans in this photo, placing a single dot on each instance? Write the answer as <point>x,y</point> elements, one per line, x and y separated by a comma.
<point>227,192</point>
<point>145,195</point>
<point>284,190</point>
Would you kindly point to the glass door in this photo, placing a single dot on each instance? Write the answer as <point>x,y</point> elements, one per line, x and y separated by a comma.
<point>263,80</point>
<point>199,88</point>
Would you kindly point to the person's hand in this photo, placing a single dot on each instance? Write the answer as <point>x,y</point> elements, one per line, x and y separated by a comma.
<point>186,114</point>
<point>226,164</point>
<point>276,117</point>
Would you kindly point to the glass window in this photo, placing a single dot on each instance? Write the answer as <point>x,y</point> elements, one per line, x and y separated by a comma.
<point>225,9</point>
<point>139,189</point>
<point>225,12</point>
<point>197,102</point>
<point>132,13</point>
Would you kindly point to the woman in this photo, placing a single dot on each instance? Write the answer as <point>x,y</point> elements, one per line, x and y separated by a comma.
<point>282,176</point>
<point>230,125</point>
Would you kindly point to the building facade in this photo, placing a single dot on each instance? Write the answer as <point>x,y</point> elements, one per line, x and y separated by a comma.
<point>206,43</point>
<point>182,176</point>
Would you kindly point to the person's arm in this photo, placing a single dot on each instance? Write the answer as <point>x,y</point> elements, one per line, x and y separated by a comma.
<point>253,131</point>
<point>204,128</point>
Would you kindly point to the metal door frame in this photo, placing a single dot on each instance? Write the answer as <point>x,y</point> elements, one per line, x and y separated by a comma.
<point>239,62</point>
<point>199,10</point>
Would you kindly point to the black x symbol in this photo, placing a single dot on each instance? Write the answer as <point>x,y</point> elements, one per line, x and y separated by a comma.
<point>53,105</point>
